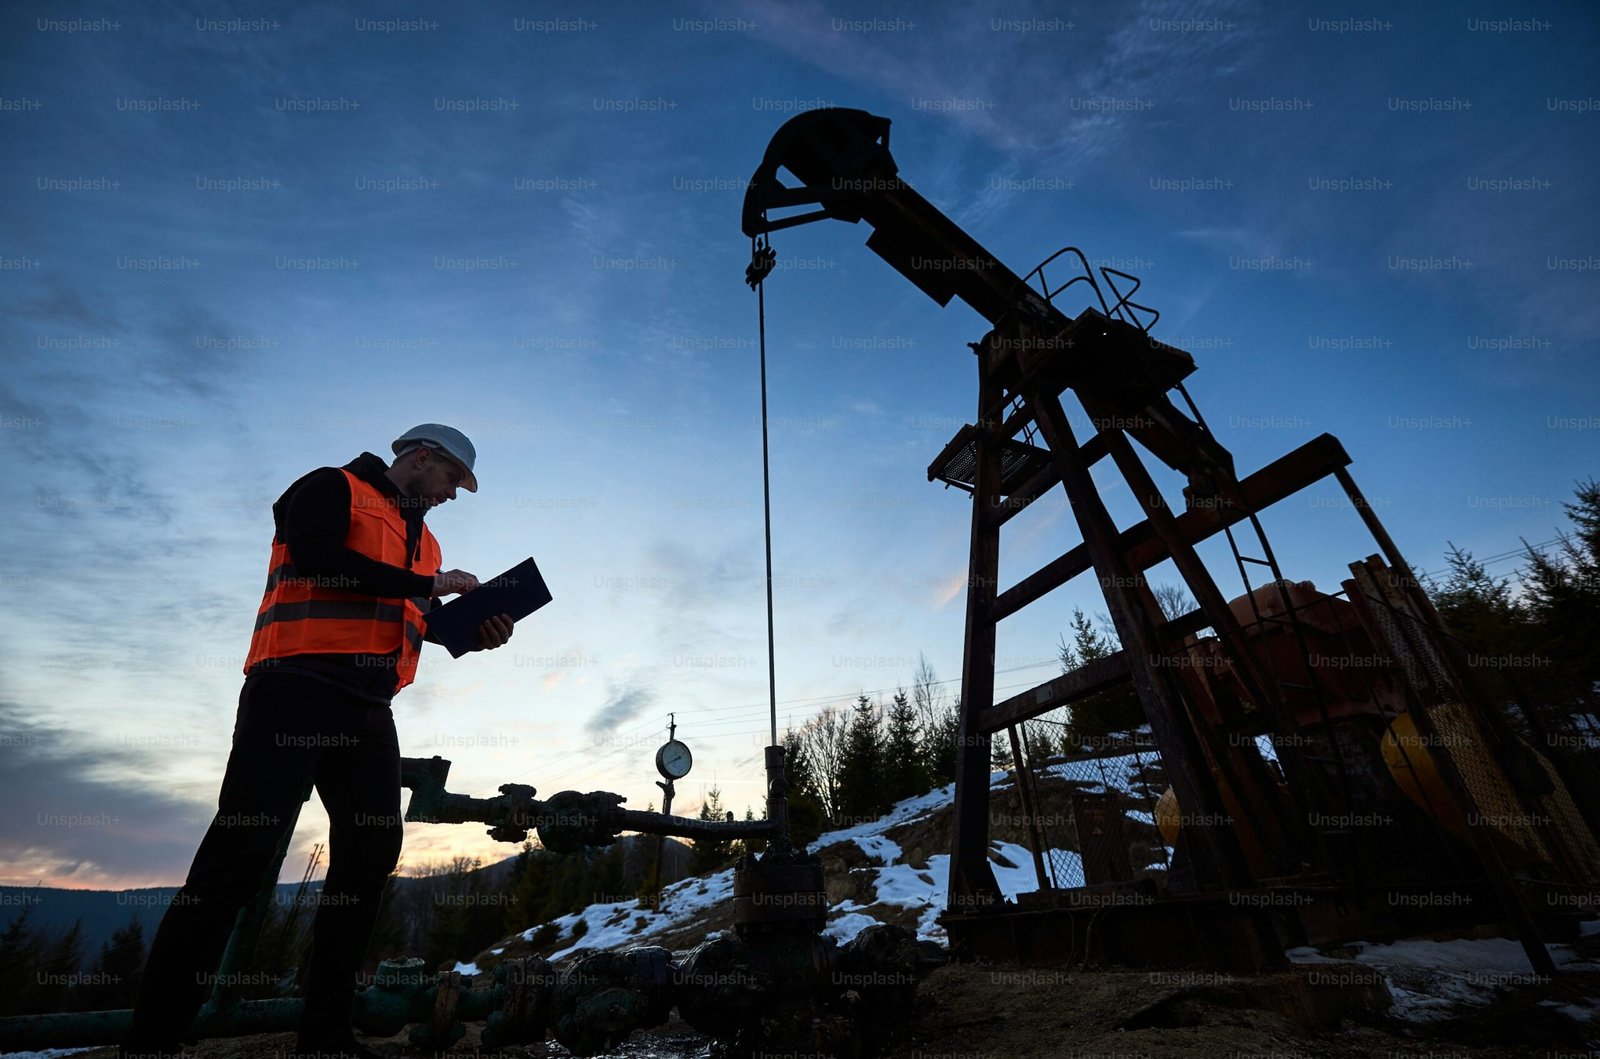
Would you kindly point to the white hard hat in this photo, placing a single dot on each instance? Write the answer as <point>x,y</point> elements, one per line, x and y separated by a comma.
<point>447,440</point>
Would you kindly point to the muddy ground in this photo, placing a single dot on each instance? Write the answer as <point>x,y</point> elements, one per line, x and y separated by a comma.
<point>973,1011</point>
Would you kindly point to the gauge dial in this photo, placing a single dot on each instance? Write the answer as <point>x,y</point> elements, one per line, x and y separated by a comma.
<point>673,760</point>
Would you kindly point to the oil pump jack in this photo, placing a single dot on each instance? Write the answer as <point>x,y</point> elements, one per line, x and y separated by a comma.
<point>1311,830</point>
<point>1414,734</point>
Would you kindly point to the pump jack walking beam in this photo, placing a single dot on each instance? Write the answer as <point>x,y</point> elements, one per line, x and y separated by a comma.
<point>841,158</point>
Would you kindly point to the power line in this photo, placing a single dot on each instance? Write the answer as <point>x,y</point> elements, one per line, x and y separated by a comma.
<point>824,700</point>
<point>1514,553</point>
<point>851,694</point>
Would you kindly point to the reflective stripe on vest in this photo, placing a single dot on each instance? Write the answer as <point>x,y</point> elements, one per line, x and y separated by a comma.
<point>305,615</point>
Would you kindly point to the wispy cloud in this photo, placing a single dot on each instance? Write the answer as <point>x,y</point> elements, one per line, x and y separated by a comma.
<point>622,705</point>
<point>1012,89</point>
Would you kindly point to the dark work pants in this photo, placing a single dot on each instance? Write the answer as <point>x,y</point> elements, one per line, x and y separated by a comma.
<point>291,731</point>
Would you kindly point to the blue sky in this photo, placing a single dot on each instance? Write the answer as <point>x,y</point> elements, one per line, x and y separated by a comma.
<point>241,244</point>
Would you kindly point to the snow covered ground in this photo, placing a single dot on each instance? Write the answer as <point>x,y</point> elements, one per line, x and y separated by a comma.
<point>897,884</point>
<point>1123,772</point>
<point>624,923</point>
<point>1431,980</point>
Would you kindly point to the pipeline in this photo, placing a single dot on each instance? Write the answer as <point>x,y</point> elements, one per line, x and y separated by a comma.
<point>774,985</point>
<point>566,821</point>
<point>755,992</point>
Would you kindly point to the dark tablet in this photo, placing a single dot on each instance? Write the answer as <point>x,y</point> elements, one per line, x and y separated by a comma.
<point>518,592</point>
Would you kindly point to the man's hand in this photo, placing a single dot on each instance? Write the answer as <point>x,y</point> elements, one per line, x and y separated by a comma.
<point>494,632</point>
<point>452,582</point>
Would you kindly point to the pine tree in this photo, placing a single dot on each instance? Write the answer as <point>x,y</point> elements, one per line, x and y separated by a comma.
<point>1000,756</point>
<point>604,877</point>
<point>1477,607</point>
<point>1563,604</point>
<point>482,912</point>
<point>451,913</point>
<point>528,886</point>
<point>114,981</point>
<point>282,949</point>
<point>21,951</point>
<point>1532,630</point>
<point>546,886</point>
<point>742,846</point>
<point>939,744</point>
<point>862,789</point>
<point>1114,710</point>
<point>711,854</point>
<point>49,989</point>
<point>806,812</point>
<point>906,774</point>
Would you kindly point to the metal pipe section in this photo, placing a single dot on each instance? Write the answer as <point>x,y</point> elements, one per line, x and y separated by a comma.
<point>764,989</point>
<point>567,820</point>
<point>93,1028</point>
<point>402,994</point>
<point>685,827</point>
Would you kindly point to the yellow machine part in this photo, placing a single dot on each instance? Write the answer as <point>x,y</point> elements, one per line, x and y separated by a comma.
<point>1414,766</point>
<point>1167,814</point>
<point>1414,769</point>
<point>1169,821</point>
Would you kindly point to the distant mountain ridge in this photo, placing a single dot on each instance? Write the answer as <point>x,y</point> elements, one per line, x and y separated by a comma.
<point>52,910</point>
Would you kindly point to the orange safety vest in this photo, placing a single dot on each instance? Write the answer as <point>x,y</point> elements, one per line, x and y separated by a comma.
<point>300,616</point>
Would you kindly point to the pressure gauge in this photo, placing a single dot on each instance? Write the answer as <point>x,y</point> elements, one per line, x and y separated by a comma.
<point>673,760</point>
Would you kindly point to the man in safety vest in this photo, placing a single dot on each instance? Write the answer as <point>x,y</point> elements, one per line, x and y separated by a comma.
<point>353,570</point>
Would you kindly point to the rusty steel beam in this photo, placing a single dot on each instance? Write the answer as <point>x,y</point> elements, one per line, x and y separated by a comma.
<point>1213,848</point>
<point>1142,548</point>
<point>972,883</point>
<point>1041,483</point>
<point>1098,675</point>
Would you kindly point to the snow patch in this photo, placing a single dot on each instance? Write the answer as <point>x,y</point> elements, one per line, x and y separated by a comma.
<point>908,811</point>
<point>918,890</point>
<point>847,926</point>
<point>1571,1011</point>
<point>623,924</point>
<point>1430,980</point>
<point>879,848</point>
<point>1120,772</point>
<point>1308,954</point>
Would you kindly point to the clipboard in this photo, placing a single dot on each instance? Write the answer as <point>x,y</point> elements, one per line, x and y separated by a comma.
<point>518,592</point>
